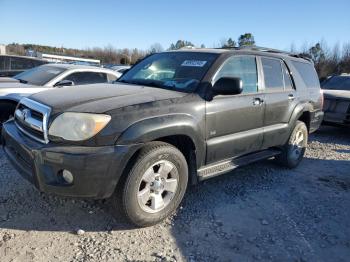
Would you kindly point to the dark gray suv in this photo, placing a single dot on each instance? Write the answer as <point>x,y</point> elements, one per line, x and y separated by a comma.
<point>175,118</point>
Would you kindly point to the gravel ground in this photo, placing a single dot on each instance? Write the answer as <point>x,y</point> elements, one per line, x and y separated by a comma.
<point>259,212</point>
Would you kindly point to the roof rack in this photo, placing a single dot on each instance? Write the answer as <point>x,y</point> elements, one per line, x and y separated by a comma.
<point>269,50</point>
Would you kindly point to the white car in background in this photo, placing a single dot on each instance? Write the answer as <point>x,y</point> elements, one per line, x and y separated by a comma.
<point>45,77</point>
<point>120,68</point>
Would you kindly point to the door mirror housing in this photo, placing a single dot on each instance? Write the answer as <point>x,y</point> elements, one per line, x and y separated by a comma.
<point>64,83</point>
<point>228,86</point>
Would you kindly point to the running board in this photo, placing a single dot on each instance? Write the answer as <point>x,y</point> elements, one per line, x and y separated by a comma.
<point>228,165</point>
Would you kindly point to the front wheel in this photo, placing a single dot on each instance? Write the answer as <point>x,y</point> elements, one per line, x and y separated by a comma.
<point>155,185</point>
<point>293,151</point>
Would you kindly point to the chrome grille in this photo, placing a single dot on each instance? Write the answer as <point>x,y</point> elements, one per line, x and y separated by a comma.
<point>31,118</point>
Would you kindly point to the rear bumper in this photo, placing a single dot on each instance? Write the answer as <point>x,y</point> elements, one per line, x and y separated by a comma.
<point>341,119</point>
<point>96,170</point>
<point>337,111</point>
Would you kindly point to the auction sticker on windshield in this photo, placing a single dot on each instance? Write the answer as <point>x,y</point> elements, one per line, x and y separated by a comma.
<point>194,63</point>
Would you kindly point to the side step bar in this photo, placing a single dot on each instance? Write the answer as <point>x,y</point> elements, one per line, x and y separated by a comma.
<point>228,165</point>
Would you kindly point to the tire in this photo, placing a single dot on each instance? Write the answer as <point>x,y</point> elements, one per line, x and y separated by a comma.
<point>154,187</point>
<point>293,151</point>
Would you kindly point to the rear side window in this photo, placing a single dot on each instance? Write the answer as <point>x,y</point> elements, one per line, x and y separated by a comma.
<point>308,74</point>
<point>82,78</point>
<point>243,67</point>
<point>273,76</point>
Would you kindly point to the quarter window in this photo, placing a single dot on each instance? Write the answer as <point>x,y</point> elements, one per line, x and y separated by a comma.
<point>272,73</point>
<point>243,67</point>
<point>287,78</point>
<point>308,74</point>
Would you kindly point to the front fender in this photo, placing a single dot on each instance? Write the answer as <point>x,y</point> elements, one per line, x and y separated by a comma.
<point>162,126</point>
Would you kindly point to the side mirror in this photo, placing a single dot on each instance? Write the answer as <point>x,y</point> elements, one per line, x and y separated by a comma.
<point>64,83</point>
<point>228,86</point>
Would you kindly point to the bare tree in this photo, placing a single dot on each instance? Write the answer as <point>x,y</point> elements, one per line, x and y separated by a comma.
<point>155,48</point>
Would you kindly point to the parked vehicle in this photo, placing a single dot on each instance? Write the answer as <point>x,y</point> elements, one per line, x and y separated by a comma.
<point>121,68</point>
<point>336,90</point>
<point>8,80</point>
<point>144,141</point>
<point>11,65</point>
<point>46,77</point>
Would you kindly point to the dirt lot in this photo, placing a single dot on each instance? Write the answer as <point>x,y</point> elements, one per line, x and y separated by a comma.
<point>260,212</point>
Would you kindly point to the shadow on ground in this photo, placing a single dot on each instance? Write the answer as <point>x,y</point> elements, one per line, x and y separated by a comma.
<point>259,212</point>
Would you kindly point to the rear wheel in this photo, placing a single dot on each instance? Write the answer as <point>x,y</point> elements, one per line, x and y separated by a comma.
<point>293,151</point>
<point>155,185</point>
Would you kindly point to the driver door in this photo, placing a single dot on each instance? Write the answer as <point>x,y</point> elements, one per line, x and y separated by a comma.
<point>234,123</point>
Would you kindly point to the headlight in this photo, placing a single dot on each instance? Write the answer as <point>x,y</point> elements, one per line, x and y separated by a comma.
<point>78,126</point>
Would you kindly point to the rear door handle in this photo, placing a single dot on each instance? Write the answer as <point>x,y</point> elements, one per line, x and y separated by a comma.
<point>291,97</point>
<point>258,101</point>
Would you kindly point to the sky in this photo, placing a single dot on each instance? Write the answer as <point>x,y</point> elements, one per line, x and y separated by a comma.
<point>139,24</point>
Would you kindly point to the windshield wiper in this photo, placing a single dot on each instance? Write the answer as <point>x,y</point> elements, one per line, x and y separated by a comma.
<point>151,84</point>
<point>144,82</point>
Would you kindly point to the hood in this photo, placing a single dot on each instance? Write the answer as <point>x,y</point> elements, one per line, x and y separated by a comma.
<point>101,98</point>
<point>16,90</point>
<point>17,84</point>
<point>336,93</point>
<point>8,80</point>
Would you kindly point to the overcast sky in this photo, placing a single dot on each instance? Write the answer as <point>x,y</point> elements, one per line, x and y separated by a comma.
<point>138,24</point>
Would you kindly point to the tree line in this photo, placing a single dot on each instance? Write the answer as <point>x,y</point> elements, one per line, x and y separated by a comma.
<point>328,61</point>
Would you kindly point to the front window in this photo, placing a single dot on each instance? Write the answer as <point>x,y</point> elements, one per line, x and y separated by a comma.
<point>83,78</point>
<point>181,71</point>
<point>337,83</point>
<point>243,67</point>
<point>39,75</point>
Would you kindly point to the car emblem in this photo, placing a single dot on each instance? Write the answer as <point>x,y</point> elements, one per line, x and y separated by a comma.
<point>25,114</point>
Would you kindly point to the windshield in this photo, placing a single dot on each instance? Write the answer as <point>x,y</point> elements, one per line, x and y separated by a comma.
<point>337,83</point>
<point>181,71</point>
<point>39,75</point>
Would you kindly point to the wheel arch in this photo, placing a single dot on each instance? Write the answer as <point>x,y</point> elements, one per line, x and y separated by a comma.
<point>181,131</point>
<point>167,128</point>
<point>301,112</point>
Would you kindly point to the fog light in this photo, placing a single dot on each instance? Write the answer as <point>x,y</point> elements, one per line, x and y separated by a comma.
<point>67,176</point>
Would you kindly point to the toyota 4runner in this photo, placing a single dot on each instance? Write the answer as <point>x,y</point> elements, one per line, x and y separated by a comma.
<point>175,118</point>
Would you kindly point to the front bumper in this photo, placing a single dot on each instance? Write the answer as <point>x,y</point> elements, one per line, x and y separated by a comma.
<point>96,170</point>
